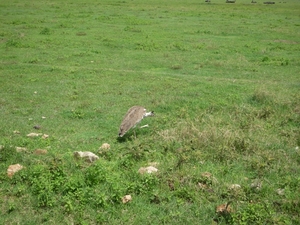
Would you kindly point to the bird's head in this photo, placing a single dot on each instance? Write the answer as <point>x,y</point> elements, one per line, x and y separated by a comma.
<point>121,133</point>
<point>149,114</point>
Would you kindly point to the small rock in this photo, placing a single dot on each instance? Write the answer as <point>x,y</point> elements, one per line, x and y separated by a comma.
<point>40,152</point>
<point>105,146</point>
<point>280,191</point>
<point>43,117</point>
<point>209,176</point>
<point>88,156</point>
<point>33,135</point>
<point>202,186</point>
<point>45,136</point>
<point>126,198</point>
<point>12,169</point>
<point>205,187</point>
<point>21,149</point>
<point>256,184</point>
<point>234,187</point>
<point>206,174</point>
<point>149,169</point>
<point>16,132</point>
<point>224,208</point>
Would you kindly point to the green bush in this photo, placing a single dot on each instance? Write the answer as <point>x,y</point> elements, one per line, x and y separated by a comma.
<point>254,213</point>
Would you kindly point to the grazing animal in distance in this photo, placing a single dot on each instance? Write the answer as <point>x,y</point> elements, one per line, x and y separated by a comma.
<point>133,116</point>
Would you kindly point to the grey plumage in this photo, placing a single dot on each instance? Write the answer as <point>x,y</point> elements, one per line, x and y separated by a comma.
<point>133,116</point>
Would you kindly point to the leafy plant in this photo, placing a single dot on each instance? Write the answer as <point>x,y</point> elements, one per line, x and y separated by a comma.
<point>95,174</point>
<point>254,213</point>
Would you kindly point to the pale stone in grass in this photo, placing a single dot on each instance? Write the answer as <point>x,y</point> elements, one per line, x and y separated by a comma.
<point>105,146</point>
<point>33,134</point>
<point>202,186</point>
<point>88,156</point>
<point>209,176</point>
<point>21,149</point>
<point>16,132</point>
<point>12,169</point>
<point>149,169</point>
<point>206,174</point>
<point>126,198</point>
<point>224,208</point>
<point>40,152</point>
<point>205,187</point>
<point>235,187</point>
<point>280,191</point>
<point>45,136</point>
<point>256,184</point>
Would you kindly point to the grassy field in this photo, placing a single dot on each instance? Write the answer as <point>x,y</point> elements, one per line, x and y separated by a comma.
<point>222,79</point>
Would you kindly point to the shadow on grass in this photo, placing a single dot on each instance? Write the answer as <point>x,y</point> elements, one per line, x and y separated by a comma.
<point>125,138</point>
<point>129,136</point>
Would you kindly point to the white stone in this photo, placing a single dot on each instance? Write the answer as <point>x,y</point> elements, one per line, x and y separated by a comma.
<point>235,186</point>
<point>33,135</point>
<point>21,149</point>
<point>105,146</point>
<point>12,169</point>
<point>45,136</point>
<point>149,169</point>
<point>280,191</point>
<point>256,184</point>
<point>126,198</point>
<point>88,156</point>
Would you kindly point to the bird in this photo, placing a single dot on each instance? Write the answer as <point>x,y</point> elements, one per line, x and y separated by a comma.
<point>133,116</point>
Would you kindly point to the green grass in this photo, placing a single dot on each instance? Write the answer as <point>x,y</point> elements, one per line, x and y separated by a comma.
<point>223,80</point>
